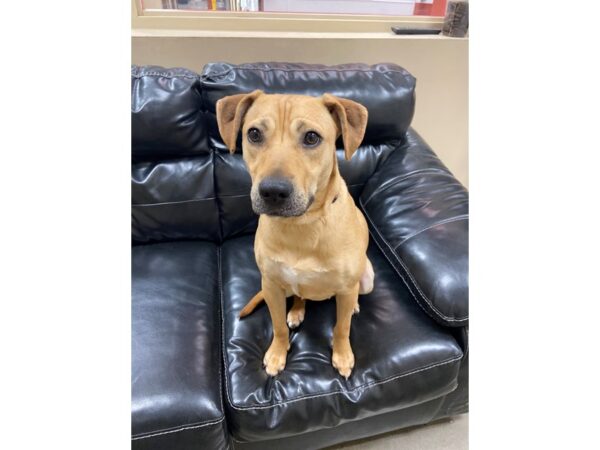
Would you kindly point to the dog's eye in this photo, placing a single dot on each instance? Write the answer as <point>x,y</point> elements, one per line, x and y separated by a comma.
<point>311,139</point>
<point>255,136</point>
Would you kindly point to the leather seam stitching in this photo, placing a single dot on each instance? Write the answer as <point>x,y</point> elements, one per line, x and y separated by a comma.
<point>441,315</point>
<point>214,156</point>
<point>217,199</point>
<point>220,316</point>
<point>224,354</point>
<point>188,201</point>
<point>190,426</point>
<point>194,200</point>
<point>166,75</point>
<point>441,222</point>
<point>321,70</point>
<point>357,388</point>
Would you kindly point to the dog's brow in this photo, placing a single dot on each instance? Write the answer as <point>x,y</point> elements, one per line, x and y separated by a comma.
<point>300,123</point>
<point>264,124</point>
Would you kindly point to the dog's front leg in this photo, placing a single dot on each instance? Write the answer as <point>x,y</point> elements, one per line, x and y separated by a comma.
<point>275,357</point>
<point>343,358</point>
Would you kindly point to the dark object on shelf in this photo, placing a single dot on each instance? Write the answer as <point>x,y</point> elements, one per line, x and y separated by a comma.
<point>456,22</point>
<point>411,31</point>
<point>197,376</point>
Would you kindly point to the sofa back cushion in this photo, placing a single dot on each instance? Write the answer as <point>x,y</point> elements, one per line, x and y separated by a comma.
<point>172,177</point>
<point>186,184</point>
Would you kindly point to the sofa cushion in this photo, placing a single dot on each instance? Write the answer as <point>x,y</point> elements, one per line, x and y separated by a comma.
<point>186,185</point>
<point>403,358</point>
<point>359,429</point>
<point>175,379</point>
<point>418,215</point>
<point>174,199</point>
<point>167,117</point>
<point>386,90</point>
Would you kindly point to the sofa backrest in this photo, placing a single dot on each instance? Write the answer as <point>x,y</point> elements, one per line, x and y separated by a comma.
<point>186,184</point>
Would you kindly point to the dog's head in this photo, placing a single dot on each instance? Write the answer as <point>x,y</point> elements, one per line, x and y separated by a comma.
<point>289,144</point>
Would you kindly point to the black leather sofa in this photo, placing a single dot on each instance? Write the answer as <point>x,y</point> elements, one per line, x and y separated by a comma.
<point>197,376</point>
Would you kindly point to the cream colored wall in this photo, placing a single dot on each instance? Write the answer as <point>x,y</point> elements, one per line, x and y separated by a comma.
<point>440,65</point>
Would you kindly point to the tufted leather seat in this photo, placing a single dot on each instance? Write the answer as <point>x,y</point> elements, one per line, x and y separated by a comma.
<point>176,345</point>
<point>197,377</point>
<point>402,357</point>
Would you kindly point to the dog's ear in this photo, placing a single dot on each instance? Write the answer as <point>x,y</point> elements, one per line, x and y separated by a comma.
<point>230,115</point>
<point>351,119</point>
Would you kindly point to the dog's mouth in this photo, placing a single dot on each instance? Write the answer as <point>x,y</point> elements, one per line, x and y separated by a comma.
<point>294,206</point>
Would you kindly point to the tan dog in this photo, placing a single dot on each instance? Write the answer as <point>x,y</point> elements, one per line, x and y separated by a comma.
<point>311,239</point>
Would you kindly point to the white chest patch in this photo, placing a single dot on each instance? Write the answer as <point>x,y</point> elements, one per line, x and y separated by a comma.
<point>294,277</point>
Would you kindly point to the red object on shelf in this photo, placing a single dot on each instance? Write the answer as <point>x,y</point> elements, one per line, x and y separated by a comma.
<point>437,8</point>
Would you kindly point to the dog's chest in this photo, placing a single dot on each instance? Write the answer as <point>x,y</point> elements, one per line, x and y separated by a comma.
<point>304,279</point>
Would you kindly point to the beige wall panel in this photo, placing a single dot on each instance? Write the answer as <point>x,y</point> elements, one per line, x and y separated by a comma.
<point>439,64</point>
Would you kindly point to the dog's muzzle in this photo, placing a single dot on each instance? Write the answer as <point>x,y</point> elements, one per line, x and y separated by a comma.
<point>276,196</point>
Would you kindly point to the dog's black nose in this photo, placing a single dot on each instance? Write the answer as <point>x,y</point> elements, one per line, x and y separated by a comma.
<point>275,191</point>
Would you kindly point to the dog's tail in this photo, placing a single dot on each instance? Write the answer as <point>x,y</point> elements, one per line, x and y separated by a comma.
<point>253,303</point>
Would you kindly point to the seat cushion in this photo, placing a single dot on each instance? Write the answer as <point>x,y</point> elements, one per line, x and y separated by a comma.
<point>403,357</point>
<point>359,429</point>
<point>175,387</point>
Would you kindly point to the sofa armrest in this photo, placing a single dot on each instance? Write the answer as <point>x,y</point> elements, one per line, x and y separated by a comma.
<point>418,216</point>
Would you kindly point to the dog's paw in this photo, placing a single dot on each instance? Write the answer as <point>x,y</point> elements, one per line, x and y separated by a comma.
<point>343,360</point>
<point>356,309</point>
<point>295,317</point>
<point>274,360</point>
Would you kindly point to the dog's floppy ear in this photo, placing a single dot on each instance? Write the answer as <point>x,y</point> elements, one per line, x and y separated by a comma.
<point>351,119</point>
<point>230,115</point>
